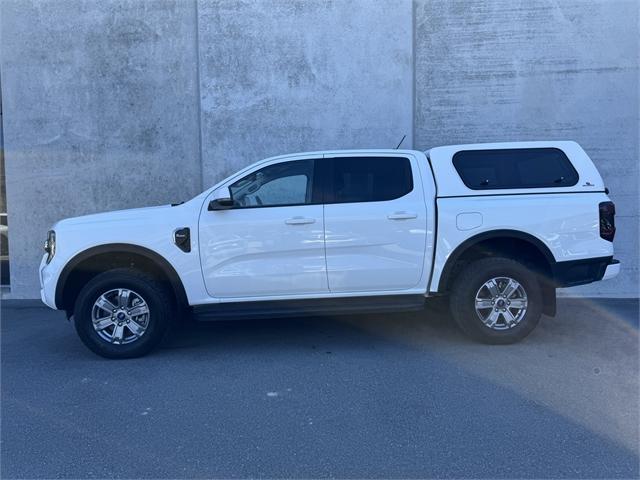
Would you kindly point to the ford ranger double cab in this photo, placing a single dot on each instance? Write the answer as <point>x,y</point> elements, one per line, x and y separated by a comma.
<point>496,228</point>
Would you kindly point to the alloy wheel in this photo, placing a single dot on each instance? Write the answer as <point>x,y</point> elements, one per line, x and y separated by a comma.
<point>120,316</point>
<point>501,303</point>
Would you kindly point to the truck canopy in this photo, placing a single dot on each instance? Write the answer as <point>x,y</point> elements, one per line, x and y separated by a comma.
<point>512,168</point>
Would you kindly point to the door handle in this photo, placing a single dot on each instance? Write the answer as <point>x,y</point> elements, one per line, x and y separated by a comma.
<point>402,215</point>
<point>299,221</point>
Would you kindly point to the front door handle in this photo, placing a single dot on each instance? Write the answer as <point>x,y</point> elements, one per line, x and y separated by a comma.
<point>402,216</point>
<point>299,221</point>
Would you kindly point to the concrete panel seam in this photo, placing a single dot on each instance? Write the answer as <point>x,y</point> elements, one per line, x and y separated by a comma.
<point>198,95</point>
<point>413,74</point>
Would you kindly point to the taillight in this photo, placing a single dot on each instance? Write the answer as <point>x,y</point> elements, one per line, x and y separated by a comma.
<point>607,220</point>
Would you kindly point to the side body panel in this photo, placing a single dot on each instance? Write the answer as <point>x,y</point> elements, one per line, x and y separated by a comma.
<point>153,229</point>
<point>568,224</point>
<point>255,252</point>
<point>378,246</point>
<point>264,252</point>
<point>150,228</point>
<point>252,258</point>
<point>565,220</point>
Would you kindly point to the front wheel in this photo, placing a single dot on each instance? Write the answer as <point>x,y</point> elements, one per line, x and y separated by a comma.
<point>122,313</point>
<point>496,300</point>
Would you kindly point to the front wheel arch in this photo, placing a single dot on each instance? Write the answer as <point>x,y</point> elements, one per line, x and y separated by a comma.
<point>95,260</point>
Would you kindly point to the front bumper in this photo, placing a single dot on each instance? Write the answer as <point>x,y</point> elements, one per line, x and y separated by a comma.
<point>47,284</point>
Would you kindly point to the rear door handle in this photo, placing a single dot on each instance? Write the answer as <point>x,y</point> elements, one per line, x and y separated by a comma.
<point>299,221</point>
<point>402,215</point>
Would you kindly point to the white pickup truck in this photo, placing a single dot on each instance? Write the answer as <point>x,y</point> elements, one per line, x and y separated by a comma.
<point>495,227</point>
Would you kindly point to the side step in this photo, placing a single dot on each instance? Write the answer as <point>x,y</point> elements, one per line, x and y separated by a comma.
<point>316,306</point>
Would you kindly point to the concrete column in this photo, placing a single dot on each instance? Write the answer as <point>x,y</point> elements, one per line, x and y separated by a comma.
<point>101,113</point>
<point>501,70</point>
<point>279,77</point>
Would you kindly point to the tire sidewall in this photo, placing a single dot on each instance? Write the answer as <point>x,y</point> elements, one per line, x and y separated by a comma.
<point>469,282</point>
<point>158,314</point>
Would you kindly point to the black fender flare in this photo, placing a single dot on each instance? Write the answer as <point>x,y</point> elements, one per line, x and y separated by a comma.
<point>447,271</point>
<point>163,264</point>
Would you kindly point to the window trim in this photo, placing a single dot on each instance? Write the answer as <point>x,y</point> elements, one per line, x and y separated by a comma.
<point>314,185</point>
<point>328,178</point>
<point>514,187</point>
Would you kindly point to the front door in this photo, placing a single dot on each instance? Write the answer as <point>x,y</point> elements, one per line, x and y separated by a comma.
<point>271,242</point>
<point>375,223</point>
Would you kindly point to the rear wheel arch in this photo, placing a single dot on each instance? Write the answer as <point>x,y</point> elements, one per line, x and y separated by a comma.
<point>514,244</point>
<point>95,260</point>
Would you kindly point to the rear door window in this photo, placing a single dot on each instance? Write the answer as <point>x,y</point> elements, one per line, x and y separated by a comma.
<point>369,179</point>
<point>515,168</point>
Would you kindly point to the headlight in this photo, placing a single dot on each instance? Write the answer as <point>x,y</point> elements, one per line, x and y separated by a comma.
<point>50,245</point>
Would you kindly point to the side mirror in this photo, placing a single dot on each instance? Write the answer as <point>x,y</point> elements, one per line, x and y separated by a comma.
<point>222,200</point>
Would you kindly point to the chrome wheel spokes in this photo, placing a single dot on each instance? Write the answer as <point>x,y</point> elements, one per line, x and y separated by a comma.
<point>120,316</point>
<point>501,303</point>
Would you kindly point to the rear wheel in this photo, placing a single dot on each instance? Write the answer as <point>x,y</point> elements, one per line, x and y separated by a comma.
<point>496,300</point>
<point>122,313</point>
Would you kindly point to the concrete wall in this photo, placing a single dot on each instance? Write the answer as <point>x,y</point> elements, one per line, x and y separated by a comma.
<point>100,113</point>
<point>121,104</point>
<point>278,77</point>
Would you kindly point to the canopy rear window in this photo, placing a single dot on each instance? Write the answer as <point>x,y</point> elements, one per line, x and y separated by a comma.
<point>515,168</point>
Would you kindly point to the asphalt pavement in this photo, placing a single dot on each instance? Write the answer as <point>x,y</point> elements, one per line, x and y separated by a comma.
<point>403,395</point>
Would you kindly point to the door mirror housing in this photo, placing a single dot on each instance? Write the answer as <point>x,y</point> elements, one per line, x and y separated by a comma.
<point>221,200</point>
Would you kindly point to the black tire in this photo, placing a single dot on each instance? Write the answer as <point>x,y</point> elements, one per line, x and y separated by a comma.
<point>159,301</point>
<point>467,284</point>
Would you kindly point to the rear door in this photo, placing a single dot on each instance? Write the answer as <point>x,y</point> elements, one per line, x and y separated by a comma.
<point>375,223</point>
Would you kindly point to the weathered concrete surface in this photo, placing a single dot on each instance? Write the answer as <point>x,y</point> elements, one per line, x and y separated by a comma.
<point>538,69</point>
<point>279,77</point>
<point>100,110</point>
